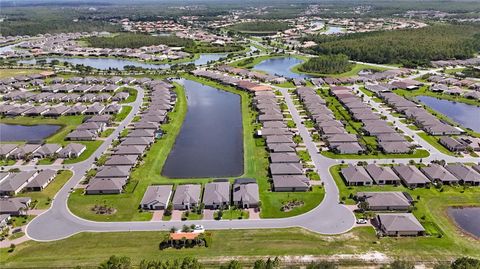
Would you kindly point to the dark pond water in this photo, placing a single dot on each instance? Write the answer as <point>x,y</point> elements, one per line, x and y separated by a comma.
<point>106,63</point>
<point>12,132</point>
<point>210,142</point>
<point>466,115</point>
<point>281,66</point>
<point>467,218</point>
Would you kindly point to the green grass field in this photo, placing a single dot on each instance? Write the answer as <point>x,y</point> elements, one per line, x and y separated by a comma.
<point>123,113</point>
<point>255,163</point>
<point>227,244</point>
<point>8,73</point>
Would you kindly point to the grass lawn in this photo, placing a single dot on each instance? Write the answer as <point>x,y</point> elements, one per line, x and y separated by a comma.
<point>432,140</point>
<point>7,162</point>
<point>232,214</point>
<point>123,113</point>
<point>16,235</point>
<point>46,161</point>
<point>255,165</point>
<point>7,73</point>
<point>131,97</point>
<point>43,198</point>
<point>227,244</point>
<point>21,220</point>
<point>107,132</point>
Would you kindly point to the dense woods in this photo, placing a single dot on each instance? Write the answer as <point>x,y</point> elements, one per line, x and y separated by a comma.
<point>260,27</point>
<point>327,64</point>
<point>408,47</point>
<point>129,40</point>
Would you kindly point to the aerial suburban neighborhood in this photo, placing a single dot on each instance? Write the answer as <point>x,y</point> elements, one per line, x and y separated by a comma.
<point>230,134</point>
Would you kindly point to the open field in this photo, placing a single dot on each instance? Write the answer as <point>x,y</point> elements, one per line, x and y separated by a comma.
<point>232,243</point>
<point>149,171</point>
<point>7,73</point>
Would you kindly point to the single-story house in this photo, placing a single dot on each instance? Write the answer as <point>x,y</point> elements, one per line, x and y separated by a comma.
<point>438,173</point>
<point>156,197</point>
<point>399,224</point>
<point>290,183</point>
<point>382,174</point>
<point>384,201</point>
<point>106,185</point>
<point>15,206</point>
<point>356,176</point>
<point>216,194</point>
<point>245,193</point>
<point>41,180</point>
<point>411,176</point>
<point>72,150</point>
<point>186,196</point>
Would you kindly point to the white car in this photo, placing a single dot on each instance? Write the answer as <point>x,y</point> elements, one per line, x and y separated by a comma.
<point>198,229</point>
<point>362,221</point>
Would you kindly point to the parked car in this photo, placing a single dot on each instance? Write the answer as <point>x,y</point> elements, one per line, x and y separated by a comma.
<point>362,221</point>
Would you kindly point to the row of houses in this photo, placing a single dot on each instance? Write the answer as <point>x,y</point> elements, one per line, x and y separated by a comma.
<point>50,97</point>
<point>453,63</point>
<point>445,80</point>
<point>420,116</point>
<point>96,108</point>
<point>13,183</point>
<point>115,173</point>
<point>333,131</point>
<point>226,79</point>
<point>219,194</point>
<point>455,90</point>
<point>65,44</point>
<point>392,224</point>
<point>286,170</point>
<point>90,129</point>
<point>245,73</point>
<point>388,139</point>
<point>411,175</point>
<point>49,150</point>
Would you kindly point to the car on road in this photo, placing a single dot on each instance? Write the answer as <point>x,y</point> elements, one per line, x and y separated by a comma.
<point>362,221</point>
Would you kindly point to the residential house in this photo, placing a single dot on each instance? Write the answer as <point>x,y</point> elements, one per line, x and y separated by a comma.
<point>186,196</point>
<point>217,194</point>
<point>399,224</point>
<point>41,180</point>
<point>290,183</point>
<point>356,176</point>
<point>156,197</point>
<point>385,201</point>
<point>245,193</point>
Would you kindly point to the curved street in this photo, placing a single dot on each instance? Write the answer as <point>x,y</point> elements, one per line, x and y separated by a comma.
<point>329,217</point>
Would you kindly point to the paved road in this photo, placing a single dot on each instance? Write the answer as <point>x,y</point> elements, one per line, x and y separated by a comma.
<point>329,217</point>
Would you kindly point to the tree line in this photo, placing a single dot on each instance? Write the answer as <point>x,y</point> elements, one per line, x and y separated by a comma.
<point>327,64</point>
<point>410,47</point>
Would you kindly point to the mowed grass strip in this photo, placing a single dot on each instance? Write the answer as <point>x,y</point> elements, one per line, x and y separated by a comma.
<point>227,244</point>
